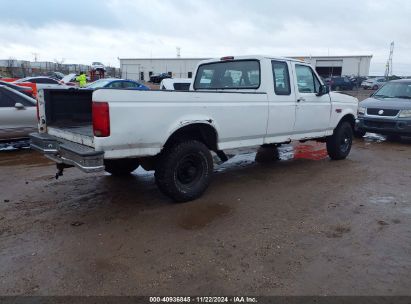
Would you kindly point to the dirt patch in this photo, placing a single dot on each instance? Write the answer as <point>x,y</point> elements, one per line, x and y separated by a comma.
<point>297,227</point>
<point>198,217</point>
<point>338,231</point>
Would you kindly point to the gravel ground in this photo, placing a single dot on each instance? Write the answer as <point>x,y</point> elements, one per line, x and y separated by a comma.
<point>305,225</point>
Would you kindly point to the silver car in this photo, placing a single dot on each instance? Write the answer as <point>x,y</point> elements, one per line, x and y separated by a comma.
<point>17,114</point>
<point>43,82</point>
<point>373,83</point>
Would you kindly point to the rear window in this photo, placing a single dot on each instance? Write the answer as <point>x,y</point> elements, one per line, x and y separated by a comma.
<point>241,74</point>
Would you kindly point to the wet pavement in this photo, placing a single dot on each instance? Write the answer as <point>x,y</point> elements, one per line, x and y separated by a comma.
<point>304,225</point>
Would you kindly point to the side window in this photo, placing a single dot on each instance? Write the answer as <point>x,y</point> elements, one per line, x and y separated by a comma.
<point>129,84</point>
<point>115,85</point>
<point>281,78</point>
<point>307,82</point>
<point>49,81</point>
<point>5,100</point>
<point>17,98</point>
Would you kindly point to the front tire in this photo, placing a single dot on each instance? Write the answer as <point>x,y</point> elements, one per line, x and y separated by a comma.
<point>359,133</point>
<point>120,167</point>
<point>267,154</point>
<point>340,143</point>
<point>183,171</point>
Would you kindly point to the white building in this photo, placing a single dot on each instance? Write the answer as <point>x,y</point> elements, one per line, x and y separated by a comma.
<point>340,65</point>
<point>142,68</point>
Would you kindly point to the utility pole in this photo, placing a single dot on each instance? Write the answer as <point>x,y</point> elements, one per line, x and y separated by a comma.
<point>36,55</point>
<point>388,68</point>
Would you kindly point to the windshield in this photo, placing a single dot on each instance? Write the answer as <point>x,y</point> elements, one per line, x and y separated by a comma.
<point>98,84</point>
<point>97,63</point>
<point>395,90</point>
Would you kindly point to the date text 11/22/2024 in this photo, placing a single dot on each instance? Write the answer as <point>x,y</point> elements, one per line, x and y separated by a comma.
<point>238,299</point>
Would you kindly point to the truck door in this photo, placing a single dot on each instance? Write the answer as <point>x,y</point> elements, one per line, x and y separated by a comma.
<point>282,103</point>
<point>312,112</point>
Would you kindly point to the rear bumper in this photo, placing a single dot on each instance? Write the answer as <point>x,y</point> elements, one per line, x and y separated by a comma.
<point>384,126</point>
<point>65,152</point>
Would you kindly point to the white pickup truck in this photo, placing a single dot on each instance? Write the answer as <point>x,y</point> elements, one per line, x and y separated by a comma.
<point>233,102</point>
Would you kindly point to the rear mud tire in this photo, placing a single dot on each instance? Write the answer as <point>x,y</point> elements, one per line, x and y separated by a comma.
<point>340,143</point>
<point>121,167</point>
<point>184,170</point>
<point>359,133</point>
<point>267,155</point>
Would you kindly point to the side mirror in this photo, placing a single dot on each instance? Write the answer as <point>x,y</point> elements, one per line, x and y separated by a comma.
<point>323,89</point>
<point>19,106</point>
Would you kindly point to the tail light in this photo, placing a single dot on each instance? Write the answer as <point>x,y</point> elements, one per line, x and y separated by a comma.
<point>101,119</point>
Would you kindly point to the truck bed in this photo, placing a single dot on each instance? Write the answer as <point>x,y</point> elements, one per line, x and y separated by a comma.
<point>69,115</point>
<point>85,130</point>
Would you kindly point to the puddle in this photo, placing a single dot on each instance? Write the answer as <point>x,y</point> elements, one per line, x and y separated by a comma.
<point>406,210</point>
<point>373,137</point>
<point>199,216</point>
<point>15,145</point>
<point>286,152</point>
<point>383,200</point>
<point>311,151</point>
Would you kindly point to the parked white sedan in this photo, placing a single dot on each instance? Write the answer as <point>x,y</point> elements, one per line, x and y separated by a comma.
<point>176,84</point>
<point>43,82</point>
<point>373,83</point>
<point>17,114</point>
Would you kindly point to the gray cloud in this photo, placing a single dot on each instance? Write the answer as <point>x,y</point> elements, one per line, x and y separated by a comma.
<point>83,31</point>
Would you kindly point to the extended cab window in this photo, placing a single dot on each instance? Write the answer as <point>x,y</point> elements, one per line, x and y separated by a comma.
<point>281,78</point>
<point>307,82</point>
<point>241,74</point>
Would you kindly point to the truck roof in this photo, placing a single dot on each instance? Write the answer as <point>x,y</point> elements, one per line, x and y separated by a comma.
<point>258,57</point>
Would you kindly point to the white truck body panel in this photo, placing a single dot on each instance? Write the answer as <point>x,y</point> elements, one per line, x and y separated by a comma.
<point>161,113</point>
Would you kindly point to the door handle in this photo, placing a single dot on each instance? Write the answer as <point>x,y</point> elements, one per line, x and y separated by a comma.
<point>300,99</point>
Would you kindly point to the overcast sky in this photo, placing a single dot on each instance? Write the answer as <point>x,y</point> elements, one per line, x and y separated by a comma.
<point>82,31</point>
